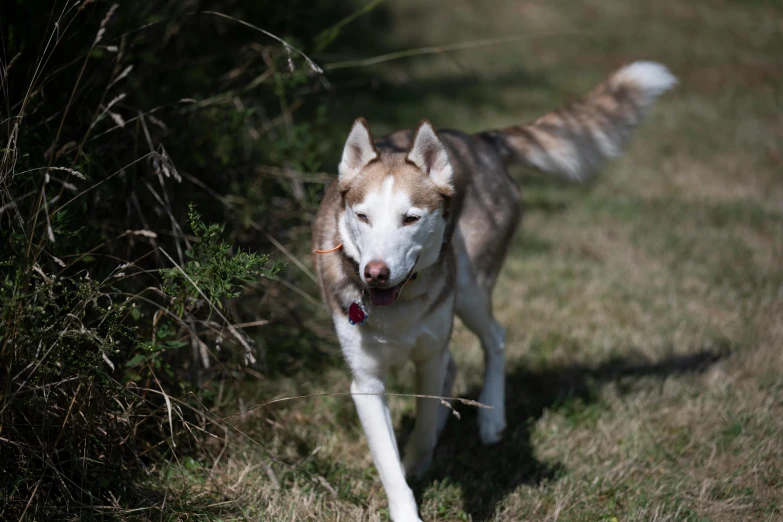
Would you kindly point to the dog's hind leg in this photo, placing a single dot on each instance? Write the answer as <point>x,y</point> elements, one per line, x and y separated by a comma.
<point>475,310</point>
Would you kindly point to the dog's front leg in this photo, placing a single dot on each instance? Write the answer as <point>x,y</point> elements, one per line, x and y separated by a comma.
<point>368,395</point>
<point>430,375</point>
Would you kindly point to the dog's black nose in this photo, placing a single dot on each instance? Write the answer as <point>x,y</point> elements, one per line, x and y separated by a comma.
<point>376,272</point>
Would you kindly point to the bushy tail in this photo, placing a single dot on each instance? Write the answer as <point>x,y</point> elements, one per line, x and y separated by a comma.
<point>574,141</point>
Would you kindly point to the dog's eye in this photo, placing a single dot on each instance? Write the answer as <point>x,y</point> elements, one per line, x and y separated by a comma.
<point>410,220</point>
<point>362,217</point>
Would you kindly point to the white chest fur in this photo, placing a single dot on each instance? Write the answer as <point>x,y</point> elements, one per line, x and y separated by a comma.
<point>393,335</point>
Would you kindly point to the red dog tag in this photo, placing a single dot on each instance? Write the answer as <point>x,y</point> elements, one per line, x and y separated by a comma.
<point>357,313</point>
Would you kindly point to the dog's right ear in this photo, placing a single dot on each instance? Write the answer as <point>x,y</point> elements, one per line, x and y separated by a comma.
<point>358,152</point>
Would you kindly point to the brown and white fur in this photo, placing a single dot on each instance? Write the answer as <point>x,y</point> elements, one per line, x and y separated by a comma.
<point>441,206</point>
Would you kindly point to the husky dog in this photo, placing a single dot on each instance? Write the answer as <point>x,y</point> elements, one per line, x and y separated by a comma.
<point>416,228</point>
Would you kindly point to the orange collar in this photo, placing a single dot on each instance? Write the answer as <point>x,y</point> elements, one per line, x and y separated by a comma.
<point>335,249</point>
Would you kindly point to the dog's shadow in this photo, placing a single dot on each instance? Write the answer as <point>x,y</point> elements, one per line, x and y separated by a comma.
<point>487,474</point>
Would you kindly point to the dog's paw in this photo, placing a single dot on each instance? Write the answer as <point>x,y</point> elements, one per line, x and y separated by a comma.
<point>491,425</point>
<point>416,463</point>
<point>404,509</point>
<point>412,518</point>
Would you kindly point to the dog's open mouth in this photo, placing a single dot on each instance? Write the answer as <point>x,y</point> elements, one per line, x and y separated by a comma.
<point>384,296</point>
<point>387,296</point>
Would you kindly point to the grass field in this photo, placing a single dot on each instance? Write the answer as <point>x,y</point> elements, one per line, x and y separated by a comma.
<point>644,310</point>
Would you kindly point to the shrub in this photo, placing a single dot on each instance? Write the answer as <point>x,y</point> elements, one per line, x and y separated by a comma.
<point>117,118</point>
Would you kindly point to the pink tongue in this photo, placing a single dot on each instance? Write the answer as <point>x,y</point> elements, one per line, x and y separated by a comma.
<point>384,297</point>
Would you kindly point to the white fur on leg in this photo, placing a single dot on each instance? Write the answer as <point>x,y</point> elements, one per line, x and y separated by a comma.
<point>429,381</point>
<point>492,421</point>
<point>374,414</point>
<point>474,309</point>
<point>444,412</point>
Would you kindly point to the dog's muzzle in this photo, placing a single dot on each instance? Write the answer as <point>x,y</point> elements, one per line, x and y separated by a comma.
<point>388,296</point>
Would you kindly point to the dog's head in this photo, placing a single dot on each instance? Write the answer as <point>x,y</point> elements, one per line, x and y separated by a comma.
<point>394,221</point>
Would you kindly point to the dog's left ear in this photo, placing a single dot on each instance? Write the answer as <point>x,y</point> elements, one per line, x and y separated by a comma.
<point>429,154</point>
<point>358,152</point>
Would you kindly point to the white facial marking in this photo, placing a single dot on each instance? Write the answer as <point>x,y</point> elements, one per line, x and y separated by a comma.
<point>386,237</point>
